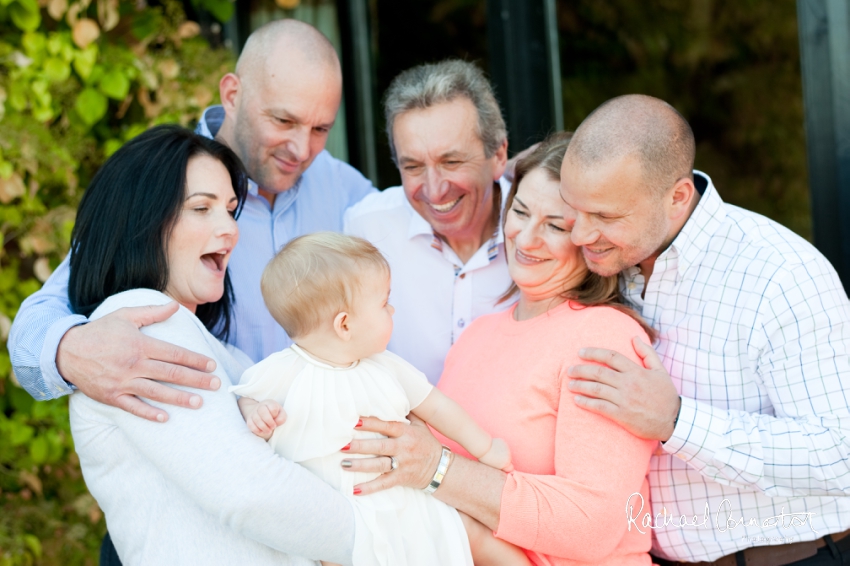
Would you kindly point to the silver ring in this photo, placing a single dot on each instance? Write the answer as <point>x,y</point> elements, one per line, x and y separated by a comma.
<point>393,463</point>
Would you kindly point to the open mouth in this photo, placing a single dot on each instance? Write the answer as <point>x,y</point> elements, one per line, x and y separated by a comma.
<point>214,261</point>
<point>445,207</point>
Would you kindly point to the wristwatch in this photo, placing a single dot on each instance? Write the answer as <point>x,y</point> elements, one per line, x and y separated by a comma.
<point>442,468</point>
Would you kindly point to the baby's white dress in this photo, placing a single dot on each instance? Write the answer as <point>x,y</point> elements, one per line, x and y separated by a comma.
<point>397,527</point>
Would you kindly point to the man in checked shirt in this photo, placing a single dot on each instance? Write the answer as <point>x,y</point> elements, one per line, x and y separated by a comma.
<point>743,388</point>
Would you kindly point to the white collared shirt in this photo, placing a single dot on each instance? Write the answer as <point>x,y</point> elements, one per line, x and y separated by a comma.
<point>754,329</point>
<point>435,295</point>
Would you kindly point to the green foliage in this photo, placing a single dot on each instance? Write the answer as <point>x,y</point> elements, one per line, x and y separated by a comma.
<point>77,80</point>
<point>731,68</point>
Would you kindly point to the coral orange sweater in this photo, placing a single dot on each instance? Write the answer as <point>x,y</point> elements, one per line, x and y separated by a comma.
<point>575,471</point>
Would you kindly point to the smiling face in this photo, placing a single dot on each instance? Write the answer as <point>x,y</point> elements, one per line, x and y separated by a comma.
<point>615,220</point>
<point>280,125</point>
<point>446,176</point>
<point>204,235</point>
<point>542,260</point>
<point>371,316</point>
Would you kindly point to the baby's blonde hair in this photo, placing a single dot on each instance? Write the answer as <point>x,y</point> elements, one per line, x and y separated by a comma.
<point>315,277</point>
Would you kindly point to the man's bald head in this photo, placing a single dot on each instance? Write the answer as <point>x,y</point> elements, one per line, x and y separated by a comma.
<point>283,46</point>
<point>281,103</point>
<point>641,126</point>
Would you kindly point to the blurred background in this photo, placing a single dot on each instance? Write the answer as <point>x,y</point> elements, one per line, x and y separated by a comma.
<point>80,77</point>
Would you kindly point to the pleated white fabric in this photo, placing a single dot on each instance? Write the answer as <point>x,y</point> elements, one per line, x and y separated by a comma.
<point>396,527</point>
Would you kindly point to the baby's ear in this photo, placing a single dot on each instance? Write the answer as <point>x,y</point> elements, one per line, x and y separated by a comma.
<point>341,322</point>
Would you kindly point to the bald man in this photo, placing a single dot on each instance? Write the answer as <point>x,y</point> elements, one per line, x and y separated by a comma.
<point>744,387</point>
<point>277,110</point>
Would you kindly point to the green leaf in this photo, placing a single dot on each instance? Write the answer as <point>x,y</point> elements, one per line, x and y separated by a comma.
<point>84,61</point>
<point>34,44</point>
<point>134,131</point>
<point>43,113</point>
<point>222,10</point>
<point>54,43</point>
<point>111,146</point>
<point>38,450</point>
<point>25,15</point>
<point>56,70</point>
<point>146,23</point>
<point>33,544</point>
<point>91,106</point>
<point>115,84</point>
<point>18,95</point>
<point>19,433</point>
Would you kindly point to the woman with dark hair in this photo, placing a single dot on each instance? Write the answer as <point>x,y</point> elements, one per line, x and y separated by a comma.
<point>158,224</point>
<point>575,470</point>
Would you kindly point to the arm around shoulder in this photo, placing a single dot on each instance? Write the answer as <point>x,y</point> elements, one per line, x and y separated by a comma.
<point>274,501</point>
<point>42,321</point>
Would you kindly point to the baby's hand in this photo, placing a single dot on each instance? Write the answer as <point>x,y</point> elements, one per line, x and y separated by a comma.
<point>264,417</point>
<point>499,456</point>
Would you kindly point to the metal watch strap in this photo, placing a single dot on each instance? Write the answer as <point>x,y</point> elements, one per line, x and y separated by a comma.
<point>442,468</point>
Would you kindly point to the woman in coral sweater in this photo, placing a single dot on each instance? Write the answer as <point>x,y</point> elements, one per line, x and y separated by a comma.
<point>566,502</point>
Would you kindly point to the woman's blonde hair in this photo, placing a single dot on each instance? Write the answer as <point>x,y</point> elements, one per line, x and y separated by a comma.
<point>595,290</point>
<point>315,277</point>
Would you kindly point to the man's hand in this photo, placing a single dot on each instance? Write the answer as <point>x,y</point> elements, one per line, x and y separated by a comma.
<point>415,449</point>
<point>641,400</point>
<point>112,362</point>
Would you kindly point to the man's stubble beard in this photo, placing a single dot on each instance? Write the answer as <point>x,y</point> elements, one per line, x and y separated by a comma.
<point>650,244</point>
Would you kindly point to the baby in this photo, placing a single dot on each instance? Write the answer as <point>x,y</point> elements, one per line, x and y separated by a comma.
<point>330,293</point>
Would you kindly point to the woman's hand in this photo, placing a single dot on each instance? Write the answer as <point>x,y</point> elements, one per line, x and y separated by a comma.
<point>414,448</point>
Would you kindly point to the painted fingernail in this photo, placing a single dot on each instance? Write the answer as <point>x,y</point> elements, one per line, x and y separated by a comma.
<point>194,401</point>
<point>345,463</point>
<point>346,447</point>
<point>357,491</point>
<point>359,423</point>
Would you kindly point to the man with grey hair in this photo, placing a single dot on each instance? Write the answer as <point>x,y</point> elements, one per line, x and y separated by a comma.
<point>276,111</point>
<point>744,386</point>
<point>440,230</point>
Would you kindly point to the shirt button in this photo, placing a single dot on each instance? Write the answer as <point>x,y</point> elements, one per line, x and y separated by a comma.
<point>462,275</point>
<point>461,323</point>
<point>631,286</point>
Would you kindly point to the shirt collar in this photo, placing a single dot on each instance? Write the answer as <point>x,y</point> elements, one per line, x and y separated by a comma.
<point>693,240</point>
<point>211,121</point>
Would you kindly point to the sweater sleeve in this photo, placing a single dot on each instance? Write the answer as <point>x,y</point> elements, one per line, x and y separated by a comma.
<point>579,512</point>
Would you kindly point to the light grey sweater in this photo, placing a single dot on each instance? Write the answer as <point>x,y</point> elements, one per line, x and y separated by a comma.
<point>200,488</point>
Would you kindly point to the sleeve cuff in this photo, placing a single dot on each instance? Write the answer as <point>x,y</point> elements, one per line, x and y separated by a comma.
<point>52,380</point>
<point>519,513</point>
<point>694,436</point>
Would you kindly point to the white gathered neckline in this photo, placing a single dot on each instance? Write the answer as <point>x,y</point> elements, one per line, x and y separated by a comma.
<point>298,350</point>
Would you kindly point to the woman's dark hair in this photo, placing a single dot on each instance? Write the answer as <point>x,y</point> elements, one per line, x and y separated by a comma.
<point>126,216</point>
<point>595,290</point>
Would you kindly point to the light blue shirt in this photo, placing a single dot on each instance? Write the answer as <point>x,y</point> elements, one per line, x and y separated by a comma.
<point>316,202</point>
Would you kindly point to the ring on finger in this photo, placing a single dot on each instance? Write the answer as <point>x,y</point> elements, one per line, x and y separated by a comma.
<point>393,463</point>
